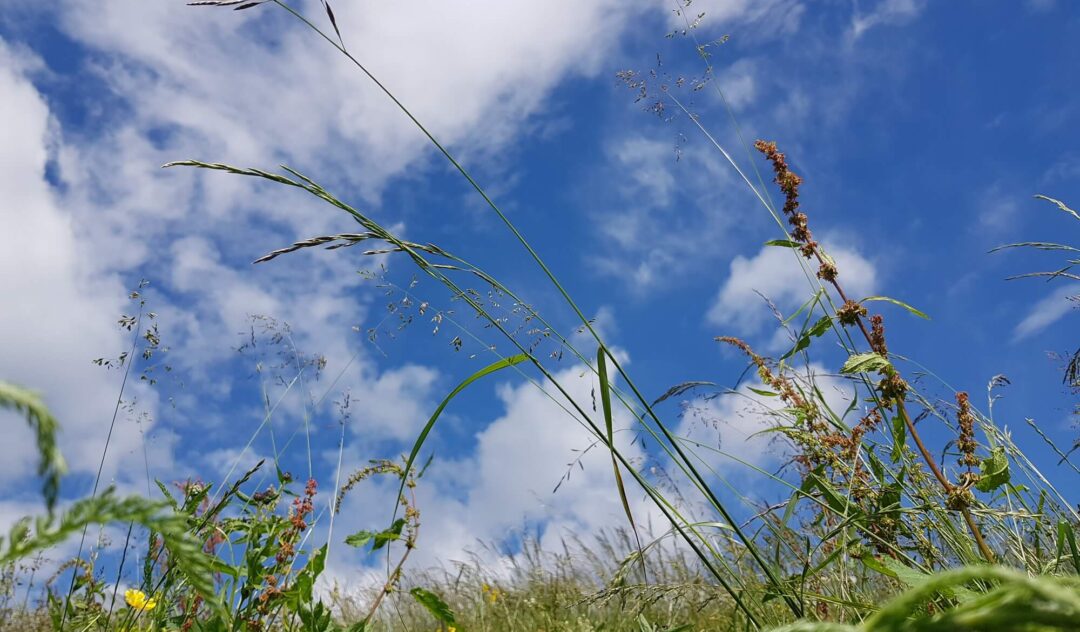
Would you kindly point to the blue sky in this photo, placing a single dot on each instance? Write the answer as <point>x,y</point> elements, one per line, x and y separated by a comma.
<point>922,130</point>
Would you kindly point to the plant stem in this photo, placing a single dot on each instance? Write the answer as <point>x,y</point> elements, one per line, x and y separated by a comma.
<point>901,410</point>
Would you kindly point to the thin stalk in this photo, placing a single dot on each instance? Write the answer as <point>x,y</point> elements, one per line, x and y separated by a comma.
<point>565,295</point>
<point>108,439</point>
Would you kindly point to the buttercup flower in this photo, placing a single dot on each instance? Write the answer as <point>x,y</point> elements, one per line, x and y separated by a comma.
<point>138,600</point>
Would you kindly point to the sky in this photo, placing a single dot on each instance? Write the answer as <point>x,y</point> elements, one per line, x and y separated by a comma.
<point>922,130</point>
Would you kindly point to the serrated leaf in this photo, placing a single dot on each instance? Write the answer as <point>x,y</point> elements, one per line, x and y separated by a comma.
<point>888,299</point>
<point>434,604</point>
<point>995,471</point>
<point>378,539</point>
<point>865,363</point>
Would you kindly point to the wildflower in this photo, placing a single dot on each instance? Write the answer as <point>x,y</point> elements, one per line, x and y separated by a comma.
<point>138,600</point>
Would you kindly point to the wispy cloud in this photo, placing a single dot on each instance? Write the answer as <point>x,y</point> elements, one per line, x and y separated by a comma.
<point>1050,309</point>
<point>884,13</point>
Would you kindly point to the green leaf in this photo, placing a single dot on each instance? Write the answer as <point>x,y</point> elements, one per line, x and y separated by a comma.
<point>378,539</point>
<point>836,501</point>
<point>890,567</point>
<point>434,604</point>
<point>816,331</point>
<point>865,363</point>
<point>763,392</point>
<point>605,400</point>
<point>995,471</point>
<point>783,243</point>
<point>887,299</point>
<point>360,539</point>
<point>1066,537</point>
<point>899,437</point>
<point>305,579</point>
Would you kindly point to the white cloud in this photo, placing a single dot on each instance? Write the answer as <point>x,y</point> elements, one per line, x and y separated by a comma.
<point>1048,311</point>
<point>219,77</point>
<point>739,82</point>
<point>670,210</point>
<point>757,18</point>
<point>59,310</point>
<point>735,423</point>
<point>775,272</point>
<point>1065,169</point>
<point>997,211</point>
<point>508,482</point>
<point>886,13</point>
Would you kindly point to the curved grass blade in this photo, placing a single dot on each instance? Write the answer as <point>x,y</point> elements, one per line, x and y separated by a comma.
<point>605,400</point>
<point>888,299</point>
<point>422,437</point>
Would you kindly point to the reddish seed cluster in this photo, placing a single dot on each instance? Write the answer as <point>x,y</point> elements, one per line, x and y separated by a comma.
<point>893,390</point>
<point>867,424</point>
<point>781,384</point>
<point>877,334</point>
<point>849,313</point>
<point>301,508</point>
<point>789,183</point>
<point>966,442</point>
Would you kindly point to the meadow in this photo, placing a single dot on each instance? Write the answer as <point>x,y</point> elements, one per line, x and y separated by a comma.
<point>885,526</point>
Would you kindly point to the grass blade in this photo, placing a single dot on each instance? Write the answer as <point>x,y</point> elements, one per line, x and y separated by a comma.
<point>422,437</point>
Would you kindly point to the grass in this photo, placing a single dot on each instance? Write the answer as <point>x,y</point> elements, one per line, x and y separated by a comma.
<point>881,530</point>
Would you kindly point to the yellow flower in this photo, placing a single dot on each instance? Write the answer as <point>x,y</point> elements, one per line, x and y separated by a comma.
<point>138,600</point>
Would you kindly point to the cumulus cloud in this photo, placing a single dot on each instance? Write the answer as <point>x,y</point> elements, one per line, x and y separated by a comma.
<point>218,76</point>
<point>735,424</point>
<point>775,273</point>
<point>59,309</point>
<point>507,483</point>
